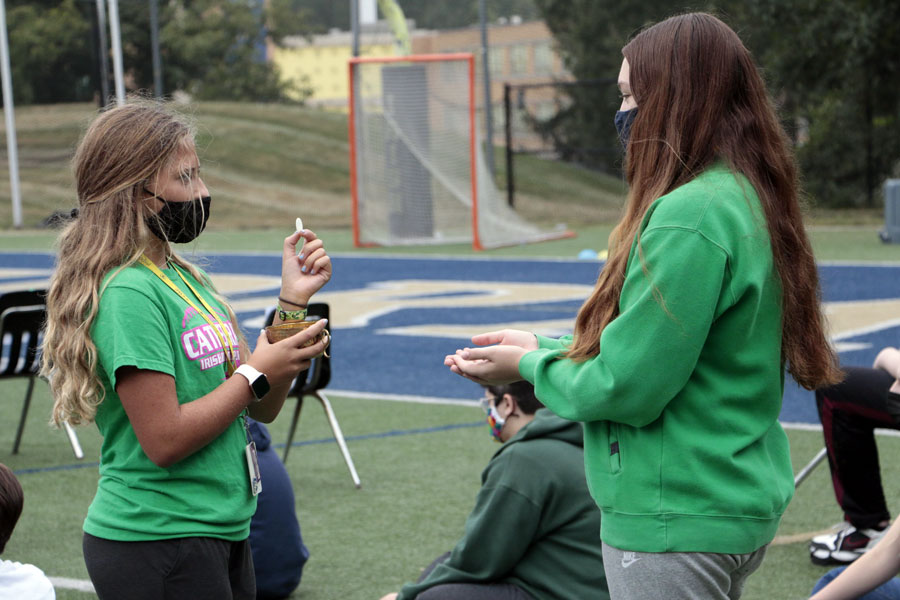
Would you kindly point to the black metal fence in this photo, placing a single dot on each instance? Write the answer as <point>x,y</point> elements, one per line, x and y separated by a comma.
<point>561,120</point>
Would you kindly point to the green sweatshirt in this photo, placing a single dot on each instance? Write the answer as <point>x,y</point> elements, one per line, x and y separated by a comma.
<point>683,448</point>
<point>534,524</point>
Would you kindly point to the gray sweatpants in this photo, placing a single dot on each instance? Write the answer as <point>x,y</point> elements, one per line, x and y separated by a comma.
<point>677,575</point>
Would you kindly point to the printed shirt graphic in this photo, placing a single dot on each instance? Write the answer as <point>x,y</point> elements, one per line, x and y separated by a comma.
<point>143,323</point>
<point>203,343</point>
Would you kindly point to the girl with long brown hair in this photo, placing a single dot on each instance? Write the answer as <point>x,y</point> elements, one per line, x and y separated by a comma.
<point>677,362</point>
<point>138,341</point>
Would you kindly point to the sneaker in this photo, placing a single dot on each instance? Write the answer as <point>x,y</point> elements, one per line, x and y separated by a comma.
<point>844,546</point>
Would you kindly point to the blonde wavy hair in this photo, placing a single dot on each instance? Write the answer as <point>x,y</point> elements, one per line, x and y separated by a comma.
<point>122,150</point>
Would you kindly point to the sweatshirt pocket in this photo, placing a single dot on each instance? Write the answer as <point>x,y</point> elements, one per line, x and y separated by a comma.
<point>615,453</point>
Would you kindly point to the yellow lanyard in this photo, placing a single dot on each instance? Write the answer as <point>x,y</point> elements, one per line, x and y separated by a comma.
<point>219,331</point>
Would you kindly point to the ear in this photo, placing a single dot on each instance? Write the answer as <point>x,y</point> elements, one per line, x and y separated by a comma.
<point>510,401</point>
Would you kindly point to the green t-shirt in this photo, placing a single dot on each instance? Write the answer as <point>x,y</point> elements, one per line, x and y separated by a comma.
<point>143,323</point>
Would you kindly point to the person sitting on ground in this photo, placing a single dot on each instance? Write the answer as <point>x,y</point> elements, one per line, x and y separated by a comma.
<point>275,541</point>
<point>850,411</point>
<point>17,580</point>
<point>872,577</point>
<point>534,531</point>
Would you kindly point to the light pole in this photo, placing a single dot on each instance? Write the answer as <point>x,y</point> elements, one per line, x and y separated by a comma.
<point>488,107</point>
<point>154,45</point>
<point>116,36</point>
<point>354,26</point>
<point>9,114</point>
<point>103,52</point>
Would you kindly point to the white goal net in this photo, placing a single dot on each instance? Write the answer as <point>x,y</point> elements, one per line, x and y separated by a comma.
<point>417,170</point>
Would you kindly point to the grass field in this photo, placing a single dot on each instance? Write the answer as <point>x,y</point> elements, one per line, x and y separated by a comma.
<point>265,163</point>
<point>418,487</point>
<point>419,464</point>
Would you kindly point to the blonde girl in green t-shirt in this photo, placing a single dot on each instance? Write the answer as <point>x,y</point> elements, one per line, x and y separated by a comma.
<point>138,341</point>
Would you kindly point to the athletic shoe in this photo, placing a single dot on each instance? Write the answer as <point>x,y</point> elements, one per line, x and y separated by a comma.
<point>844,546</point>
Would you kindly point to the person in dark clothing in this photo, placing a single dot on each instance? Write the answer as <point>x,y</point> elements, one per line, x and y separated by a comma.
<point>850,412</point>
<point>275,540</point>
<point>535,530</point>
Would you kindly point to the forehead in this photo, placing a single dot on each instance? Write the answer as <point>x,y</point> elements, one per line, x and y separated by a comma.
<point>185,157</point>
<point>624,73</point>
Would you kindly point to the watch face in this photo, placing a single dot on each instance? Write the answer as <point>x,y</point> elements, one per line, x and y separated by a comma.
<point>260,386</point>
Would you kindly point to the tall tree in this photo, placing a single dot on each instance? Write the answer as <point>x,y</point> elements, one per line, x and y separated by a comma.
<point>210,48</point>
<point>832,65</point>
<point>50,51</point>
<point>835,65</point>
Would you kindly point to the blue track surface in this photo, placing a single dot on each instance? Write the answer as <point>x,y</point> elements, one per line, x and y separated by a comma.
<point>368,359</point>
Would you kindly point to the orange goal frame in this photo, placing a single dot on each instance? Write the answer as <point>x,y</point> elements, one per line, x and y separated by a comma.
<point>473,140</point>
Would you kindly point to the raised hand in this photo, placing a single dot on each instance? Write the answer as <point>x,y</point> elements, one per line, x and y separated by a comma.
<point>303,275</point>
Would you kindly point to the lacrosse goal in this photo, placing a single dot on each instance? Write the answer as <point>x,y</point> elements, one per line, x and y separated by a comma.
<point>417,173</point>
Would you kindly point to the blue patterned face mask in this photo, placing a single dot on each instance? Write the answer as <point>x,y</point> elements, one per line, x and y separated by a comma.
<point>624,119</point>
<point>494,420</point>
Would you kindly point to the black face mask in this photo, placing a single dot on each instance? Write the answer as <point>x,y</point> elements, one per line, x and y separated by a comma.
<point>180,222</point>
<point>624,119</point>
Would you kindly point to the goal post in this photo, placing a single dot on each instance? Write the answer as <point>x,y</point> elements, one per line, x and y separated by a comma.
<point>417,174</point>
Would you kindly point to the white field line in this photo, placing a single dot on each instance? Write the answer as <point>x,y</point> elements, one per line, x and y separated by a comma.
<point>67,583</point>
<point>401,397</point>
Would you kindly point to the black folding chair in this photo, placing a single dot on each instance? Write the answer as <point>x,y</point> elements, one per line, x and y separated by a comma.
<point>311,383</point>
<point>22,315</point>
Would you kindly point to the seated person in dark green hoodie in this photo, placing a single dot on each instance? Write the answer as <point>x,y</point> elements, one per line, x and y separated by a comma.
<point>535,530</point>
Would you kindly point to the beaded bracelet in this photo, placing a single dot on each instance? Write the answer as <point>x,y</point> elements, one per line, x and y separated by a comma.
<point>291,315</point>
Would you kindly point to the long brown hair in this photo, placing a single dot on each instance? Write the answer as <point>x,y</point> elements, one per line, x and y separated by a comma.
<point>122,150</point>
<point>702,99</point>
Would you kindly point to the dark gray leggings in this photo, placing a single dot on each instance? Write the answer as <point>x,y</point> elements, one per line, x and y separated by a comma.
<point>194,568</point>
<point>469,591</point>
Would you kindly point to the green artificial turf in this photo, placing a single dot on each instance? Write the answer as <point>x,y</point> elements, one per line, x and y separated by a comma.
<point>417,489</point>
